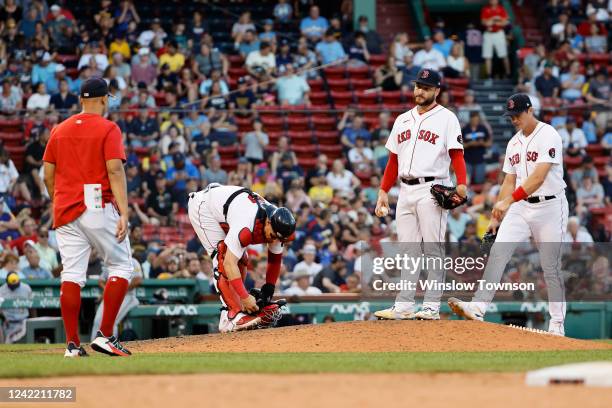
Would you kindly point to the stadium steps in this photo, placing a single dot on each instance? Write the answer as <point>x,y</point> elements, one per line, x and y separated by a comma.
<point>392,17</point>
<point>526,17</point>
<point>492,95</point>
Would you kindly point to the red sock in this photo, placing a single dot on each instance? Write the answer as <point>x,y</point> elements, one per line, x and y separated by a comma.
<point>70,303</point>
<point>114,292</point>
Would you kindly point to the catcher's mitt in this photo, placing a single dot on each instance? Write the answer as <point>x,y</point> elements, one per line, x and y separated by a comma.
<point>488,239</point>
<point>447,197</point>
<point>269,311</point>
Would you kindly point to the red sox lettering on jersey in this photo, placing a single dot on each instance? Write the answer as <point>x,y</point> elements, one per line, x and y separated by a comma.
<point>422,142</point>
<point>523,154</point>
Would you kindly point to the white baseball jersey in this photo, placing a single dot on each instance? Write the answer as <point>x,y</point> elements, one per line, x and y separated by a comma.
<point>206,216</point>
<point>523,154</point>
<point>422,142</point>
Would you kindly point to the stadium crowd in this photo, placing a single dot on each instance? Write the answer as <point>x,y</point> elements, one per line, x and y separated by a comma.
<point>197,106</point>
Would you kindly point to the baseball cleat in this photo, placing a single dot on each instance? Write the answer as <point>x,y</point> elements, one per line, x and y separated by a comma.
<point>465,309</point>
<point>239,322</point>
<point>556,329</point>
<point>73,351</point>
<point>392,314</point>
<point>109,345</point>
<point>427,314</point>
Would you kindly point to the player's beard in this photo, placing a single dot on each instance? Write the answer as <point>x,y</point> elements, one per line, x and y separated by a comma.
<point>426,102</point>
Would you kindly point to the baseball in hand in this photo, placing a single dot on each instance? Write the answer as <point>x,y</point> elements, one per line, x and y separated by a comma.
<point>383,211</point>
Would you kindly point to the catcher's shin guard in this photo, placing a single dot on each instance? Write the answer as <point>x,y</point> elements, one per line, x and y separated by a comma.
<point>229,297</point>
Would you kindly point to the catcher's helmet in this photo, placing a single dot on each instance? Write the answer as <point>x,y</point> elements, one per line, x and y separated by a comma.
<point>283,222</point>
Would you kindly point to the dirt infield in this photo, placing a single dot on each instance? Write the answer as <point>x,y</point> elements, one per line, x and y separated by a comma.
<point>318,390</point>
<point>374,336</point>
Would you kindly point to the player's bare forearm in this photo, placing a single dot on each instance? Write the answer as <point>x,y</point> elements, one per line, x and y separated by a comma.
<point>118,184</point>
<point>230,265</point>
<point>49,170</point>
<point>508,186</point>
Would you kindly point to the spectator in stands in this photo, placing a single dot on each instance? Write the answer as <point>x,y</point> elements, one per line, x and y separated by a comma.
<point>143,131</point>
<point>64,100</point>
<point>341,179</point>
<point>52,82</point>
<point>10,264</point>
<point>160,202</point>
<point>586,168</point>
<point>361,156</point>
<point>584,28</point>
<point>215,76</point>
<point>576,233</point>
<point>33,162</point>
<point>329,50</point>
<point>358,53</point>
<point>296,197</point>
<point>172,137</point>
<point>547,85</point>
<point>247,44</point>
<point>572,82</point>
<point>40,99</point>
<point>288,170</point>
<point>441,43</point>
<point>172,57</point>
<point>301,286</point>
<point>399,49</point>
<point>383,128</point>
<point>133,180</point>
<point>588,195</point>
<point>27,232</point>
<point>9,177</point>
<point>10,99</point>
<point>125,14</point>
<point>558,30</point>
<point>457,222</point>
<point>332,277</point>
<point>595,42</point>
<point>495,19</point>
<point>284,56</point>
<point>314,26</point>
<point>476,141</point>
<point>48,254</point>
<point>187,88</point>
<point>255,143</point>
<point>261,62</point>
<point>320,190</point>
<point>305,59</point>
<point>208,60</point>
<point>473,49</point>
<point>13,326</point>
<point>373,40</point>
<point>242,26</point>
<point>457,65</point>
<point>268,33</point>
<point>389,77</point>
<point>178,175</point>
<point>429,57</point>
<point>351,126</point>
<point>599,95</point>
<point>292,89</point>
<point>93,56</point>
<point>33,268</point>
<point>214,173</point>
<point>27,25</point>
<point>574,140</point>
<point>309,264</point>
<point>409,73</point>
<point>283,12</point>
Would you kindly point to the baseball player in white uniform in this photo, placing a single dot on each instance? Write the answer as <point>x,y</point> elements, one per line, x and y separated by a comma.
<point>422,144</point>
<point>531,203</point>
<point>227,219</point>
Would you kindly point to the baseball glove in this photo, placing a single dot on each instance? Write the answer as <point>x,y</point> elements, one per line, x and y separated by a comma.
<point>488,239</point>
<point>447,197</point>
<point>269,310</point>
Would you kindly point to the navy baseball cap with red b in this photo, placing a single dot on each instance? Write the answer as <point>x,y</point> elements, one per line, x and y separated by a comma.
<point>95,87</point>
<point>429,77</point>
<point>517,104</point>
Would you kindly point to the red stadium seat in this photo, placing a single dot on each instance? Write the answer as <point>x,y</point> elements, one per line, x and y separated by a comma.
<point>273,123</point>
<point>17,155</point>
<point>324,123</point>
<point>307,163</point>
<point>358,72</point>
<point>316,85</point>
<point>595,150</point>
<point>302,151</point>
<point>297,137</point>
<point>228,151</point>
<point>229,164</point>
<point>371,122</point>
<point>297,123</point>
<point>334,72</point>
<point>244,124</point>
<point>342,99</point>
<point>267,110</point>
<point>572,162</point>
<point>297,111</point>
<point>12,139</point>
<point>376,60</point>
<point>319,98</point>
<point>332,151</point>
<point>236,61</point>
<point>599,59</point>
<point>391,97</point>
<point>274,136</point>
<point>457,82</point>
<point>11,125</point>
<point>367,98</point>
<point>330,137</point>
<point>338,84</point>
<point>237,72</point>
<point>362,84</point>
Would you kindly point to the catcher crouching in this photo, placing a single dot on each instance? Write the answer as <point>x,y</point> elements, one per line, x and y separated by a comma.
<point>227,219</point>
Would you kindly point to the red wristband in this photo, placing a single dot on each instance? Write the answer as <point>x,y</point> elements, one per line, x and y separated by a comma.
<point>238,286</point>
<point>519,194</point>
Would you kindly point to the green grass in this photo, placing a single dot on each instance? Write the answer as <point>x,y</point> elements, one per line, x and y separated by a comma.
<point>24,364</point>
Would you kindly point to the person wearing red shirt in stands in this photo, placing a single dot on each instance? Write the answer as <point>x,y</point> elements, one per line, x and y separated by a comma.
<point>584,28</point>
<point>84,175</point>
<point>494,18</point>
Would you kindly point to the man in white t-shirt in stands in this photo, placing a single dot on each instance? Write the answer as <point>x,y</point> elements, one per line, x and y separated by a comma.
<point>361,156</point>
<point>262,61</point>
<point>309,264</point>
<point>301,285</point>
<point>574,139</point>
<point>429,57</point>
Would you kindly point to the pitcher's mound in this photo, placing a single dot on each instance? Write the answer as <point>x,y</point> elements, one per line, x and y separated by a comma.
<point>372,336</point>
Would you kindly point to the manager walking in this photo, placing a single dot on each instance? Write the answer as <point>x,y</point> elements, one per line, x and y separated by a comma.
<point>83,165</point>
